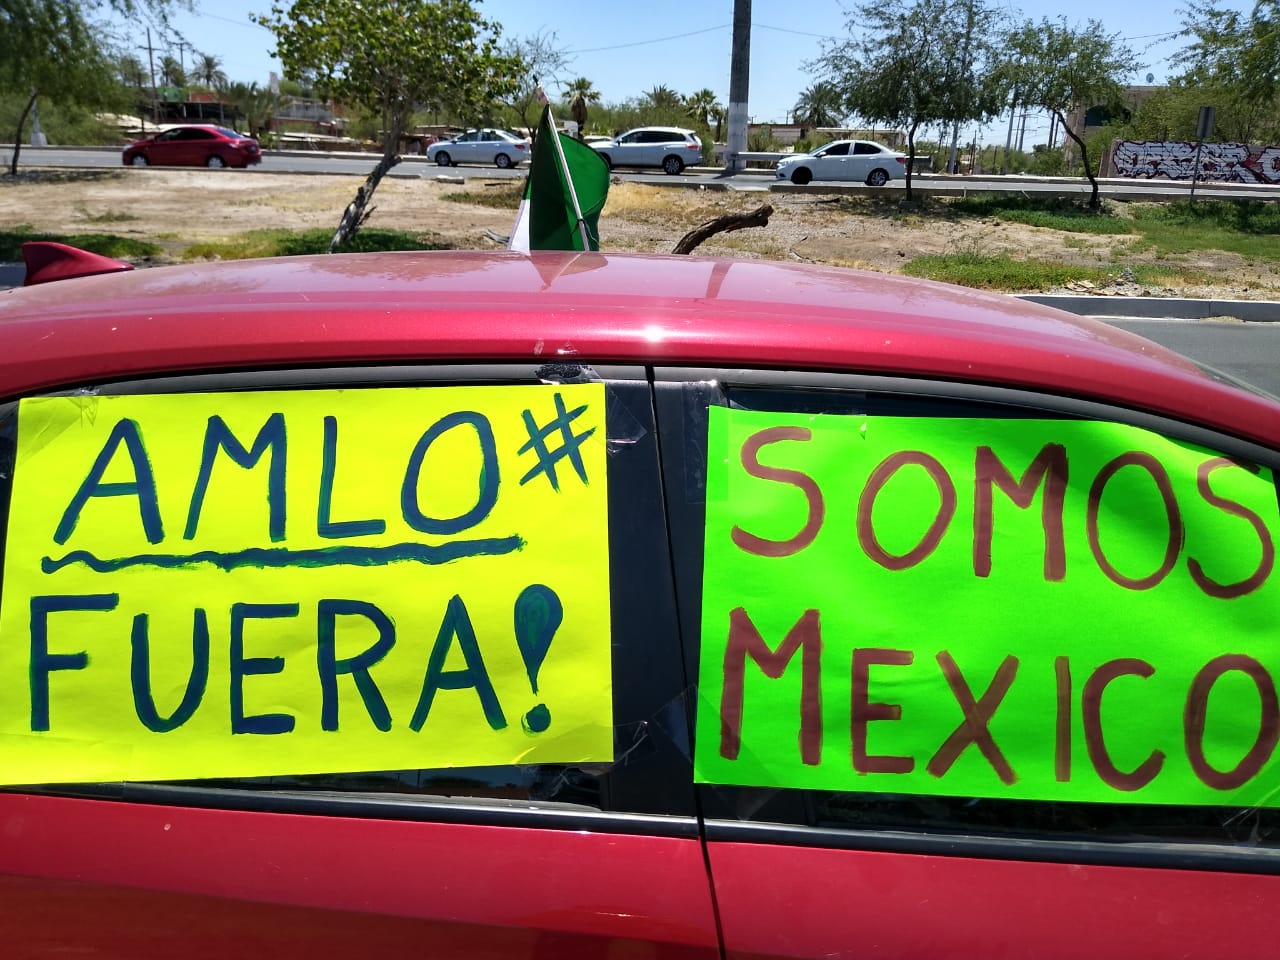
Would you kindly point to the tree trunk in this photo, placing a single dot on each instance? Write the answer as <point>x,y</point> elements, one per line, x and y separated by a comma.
<point>358,210</point>
<point>1094,201</point>
<point>911,157</point>
<point>17,137</point>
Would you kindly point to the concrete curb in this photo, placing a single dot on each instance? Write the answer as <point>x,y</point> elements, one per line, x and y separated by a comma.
<point>1161,308</point>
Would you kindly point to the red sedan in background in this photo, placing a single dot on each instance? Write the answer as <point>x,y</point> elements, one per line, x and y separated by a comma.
<point>476,604</point>
<point>194,145</point>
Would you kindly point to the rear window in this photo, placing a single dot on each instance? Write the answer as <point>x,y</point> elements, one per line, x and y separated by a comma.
<point>1063,631</point>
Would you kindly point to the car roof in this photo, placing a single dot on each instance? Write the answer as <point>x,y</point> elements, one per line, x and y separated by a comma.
<point>458,306</point>
<point>681,130</point>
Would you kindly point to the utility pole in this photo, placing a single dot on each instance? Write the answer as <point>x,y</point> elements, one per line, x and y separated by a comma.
<point>1008,140</point>
<point>962,80</point>
<point>151,64</point>
<point>739,82</point>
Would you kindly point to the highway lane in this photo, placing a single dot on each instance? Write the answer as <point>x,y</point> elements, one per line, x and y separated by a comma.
<point>924,184</point>
<point>348,164</point>
<point>1246,351</point>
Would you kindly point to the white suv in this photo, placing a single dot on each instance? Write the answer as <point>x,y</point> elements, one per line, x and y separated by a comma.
<point>671,148</point>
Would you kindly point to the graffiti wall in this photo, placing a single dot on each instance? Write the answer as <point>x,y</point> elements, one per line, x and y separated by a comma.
<point>1176,160</point>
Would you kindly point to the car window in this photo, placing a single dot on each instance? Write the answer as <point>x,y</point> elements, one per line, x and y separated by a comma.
<point>484,682</point>
<point>866,148</point>
<point>836,150</point>
<point>1063,691</point>
<point>660,136</point>
<point>631,138</point>
<point>197,134</point>
<point>471,137</point>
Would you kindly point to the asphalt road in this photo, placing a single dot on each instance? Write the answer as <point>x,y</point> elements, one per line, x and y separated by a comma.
<point>1247,351</point>
<point>300,162</point>
<point>925,184</point>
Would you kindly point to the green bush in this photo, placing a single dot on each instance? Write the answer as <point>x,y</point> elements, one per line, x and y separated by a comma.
<point>105,244</point>
<point>1045,162</point>
<point>761,140</point>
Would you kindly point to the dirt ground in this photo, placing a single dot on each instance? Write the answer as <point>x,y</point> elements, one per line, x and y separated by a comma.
<point>176,208</point>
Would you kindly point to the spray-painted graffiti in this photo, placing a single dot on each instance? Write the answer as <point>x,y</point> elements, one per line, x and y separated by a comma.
<point>1176,160</point>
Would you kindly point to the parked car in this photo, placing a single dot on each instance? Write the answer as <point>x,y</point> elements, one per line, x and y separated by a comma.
<point>671,148</point>
<point>475,604</point>
<point>500,147</point>
<point>194,145</point>
<point>861,160</point>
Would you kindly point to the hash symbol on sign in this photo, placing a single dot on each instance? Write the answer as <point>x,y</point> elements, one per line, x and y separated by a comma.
<point>569,444</point>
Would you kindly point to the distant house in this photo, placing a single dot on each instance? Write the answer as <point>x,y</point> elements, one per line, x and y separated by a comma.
<point>788,133</point>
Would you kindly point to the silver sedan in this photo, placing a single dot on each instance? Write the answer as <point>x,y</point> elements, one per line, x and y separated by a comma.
<point>500,147</point>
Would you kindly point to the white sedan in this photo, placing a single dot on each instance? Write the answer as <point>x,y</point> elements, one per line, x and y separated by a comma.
<point>500,147</point>
<point>862,160</point>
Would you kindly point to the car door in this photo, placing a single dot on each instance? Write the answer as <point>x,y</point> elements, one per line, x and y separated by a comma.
<point>466,147</point>
<point>167,148</point>
<point>198,146</point>
<point>657,144</point>
<point>630,150</point>
<point>487,146</point>
<point>302,847</point>
<point>865,157</point>
<point>1036,716</point>
<point>833,163</point>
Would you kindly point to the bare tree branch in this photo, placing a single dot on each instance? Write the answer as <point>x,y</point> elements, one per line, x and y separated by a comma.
<point>727,223</point>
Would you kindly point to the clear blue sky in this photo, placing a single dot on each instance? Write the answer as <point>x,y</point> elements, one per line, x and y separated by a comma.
<point>628,48</point>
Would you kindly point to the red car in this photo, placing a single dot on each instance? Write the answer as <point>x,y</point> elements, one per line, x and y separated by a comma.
<point>582,605</point>
<point>194,145</point>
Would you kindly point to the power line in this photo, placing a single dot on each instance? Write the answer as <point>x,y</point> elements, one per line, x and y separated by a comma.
<point>641,43</point>
<point>238,23</point>
<point>798,33</point>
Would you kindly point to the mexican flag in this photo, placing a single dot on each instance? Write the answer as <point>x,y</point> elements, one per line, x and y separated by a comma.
<point>563,196</point>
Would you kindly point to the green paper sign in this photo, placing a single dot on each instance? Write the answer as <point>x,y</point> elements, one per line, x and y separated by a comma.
<point>1042,610</point>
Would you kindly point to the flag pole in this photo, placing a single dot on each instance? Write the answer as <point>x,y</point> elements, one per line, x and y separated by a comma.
<point>568,179</point>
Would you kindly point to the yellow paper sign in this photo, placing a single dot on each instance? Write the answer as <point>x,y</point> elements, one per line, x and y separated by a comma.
<point>248,584</point>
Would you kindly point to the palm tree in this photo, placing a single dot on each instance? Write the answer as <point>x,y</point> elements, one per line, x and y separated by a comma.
<point>701,106</point>
<point>255,103</point>
<point>580,92</point>
<point>208,70</point>
<point>581,87</point>
<point>663,97</point>
<point>132,73</point>
<point>821,105</point>
<point>719,114</point>
<point>171,72</point>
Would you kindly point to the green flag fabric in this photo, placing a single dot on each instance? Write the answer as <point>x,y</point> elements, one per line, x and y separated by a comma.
<point>563,196</point>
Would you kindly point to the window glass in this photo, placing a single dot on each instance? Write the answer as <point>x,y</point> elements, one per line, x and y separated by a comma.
<point>1085,727</point>
<point>649,770</point>
<point>838,150</point>
<point>865,148</point>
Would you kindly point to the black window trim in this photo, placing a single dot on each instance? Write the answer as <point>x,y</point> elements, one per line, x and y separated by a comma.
<point>977,392</point>
<point>1202,856</point>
